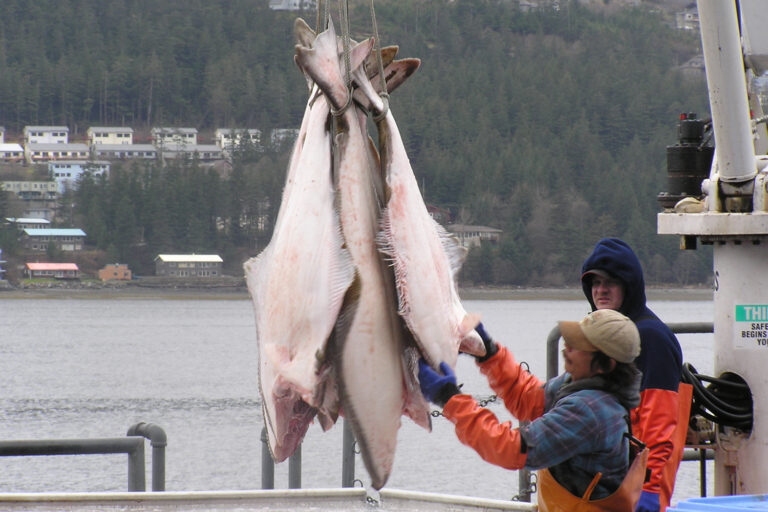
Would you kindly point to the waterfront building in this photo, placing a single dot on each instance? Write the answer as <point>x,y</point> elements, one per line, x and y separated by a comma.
<point>188,265</point>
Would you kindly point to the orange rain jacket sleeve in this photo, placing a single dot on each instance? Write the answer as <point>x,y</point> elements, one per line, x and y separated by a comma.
<point>480,429</point>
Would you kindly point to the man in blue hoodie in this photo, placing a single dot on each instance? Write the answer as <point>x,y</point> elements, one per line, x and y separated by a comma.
<point>612,278</point>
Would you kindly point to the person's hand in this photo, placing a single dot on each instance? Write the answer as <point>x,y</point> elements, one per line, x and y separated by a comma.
<point>435,387</point>
<point>491,347</point>
<point>648,502</point>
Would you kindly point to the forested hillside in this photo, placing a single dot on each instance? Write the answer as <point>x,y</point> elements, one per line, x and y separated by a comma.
<point>550,125</point>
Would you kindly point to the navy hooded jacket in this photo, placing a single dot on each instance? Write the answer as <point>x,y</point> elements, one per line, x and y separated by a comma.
<point>660,358</point>
<point>655,421</point>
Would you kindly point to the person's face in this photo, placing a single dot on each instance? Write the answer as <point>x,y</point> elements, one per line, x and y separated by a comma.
<point>607,293</point>
<point>578,362</point>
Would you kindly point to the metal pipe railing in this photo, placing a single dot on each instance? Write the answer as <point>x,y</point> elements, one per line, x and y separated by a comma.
<point>132,446</point>
<point>268,465</point>
<point>158,441</point>
<point>348,457</point>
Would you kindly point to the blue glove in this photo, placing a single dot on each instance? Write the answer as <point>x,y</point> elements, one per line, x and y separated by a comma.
<point>649,502</point>
<point>437,388</point>
<point>490,346</point>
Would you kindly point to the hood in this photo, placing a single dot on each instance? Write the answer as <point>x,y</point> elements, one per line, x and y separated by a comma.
<point>618,259</point>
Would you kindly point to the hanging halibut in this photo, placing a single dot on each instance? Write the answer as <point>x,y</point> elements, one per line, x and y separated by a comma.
<point>297,285</point>
<point>425,257</point>
<point>369,333</point>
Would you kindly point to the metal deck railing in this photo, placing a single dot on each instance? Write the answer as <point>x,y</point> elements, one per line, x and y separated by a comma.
<point>133,446</point>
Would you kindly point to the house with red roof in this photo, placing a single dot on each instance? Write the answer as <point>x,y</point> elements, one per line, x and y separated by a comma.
<point>52,270</point>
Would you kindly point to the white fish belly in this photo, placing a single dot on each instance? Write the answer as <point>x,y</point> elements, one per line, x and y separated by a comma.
<point>424,273</point>
<point>371,342</point>
<point>297,285</point>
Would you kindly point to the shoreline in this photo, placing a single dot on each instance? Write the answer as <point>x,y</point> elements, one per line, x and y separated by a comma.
<point>180,292</point>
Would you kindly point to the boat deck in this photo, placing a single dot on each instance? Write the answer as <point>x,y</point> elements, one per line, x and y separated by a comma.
<point>346,499</point>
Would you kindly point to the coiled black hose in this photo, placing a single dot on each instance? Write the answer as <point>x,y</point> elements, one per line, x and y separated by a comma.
<point>723,401</point>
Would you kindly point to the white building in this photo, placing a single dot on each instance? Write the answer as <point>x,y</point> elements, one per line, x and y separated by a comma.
<point>123,151</point>
<point>474,236</point>
<point>29,222</point>
<point>11,152</point>
<point>204,152</point>
<point>188,265</point>
<point>227,138</point>
<point>67,174</point>
<point>280,136</point>
<point>2,134</point>
<point>46,135</point>
<point>109,135</point>
<point>43,152</point>
<point>164,136</point>
<point>31,191</point>
<point>292,5</point>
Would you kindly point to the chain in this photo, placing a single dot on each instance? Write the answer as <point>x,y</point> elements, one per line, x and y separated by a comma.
<point>525,495</point>
<point>482,402</point>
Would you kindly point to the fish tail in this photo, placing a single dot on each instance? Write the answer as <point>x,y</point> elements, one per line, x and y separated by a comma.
<point>321,63</point>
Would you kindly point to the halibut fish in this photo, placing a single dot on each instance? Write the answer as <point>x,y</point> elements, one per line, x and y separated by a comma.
<point>369,342</point>
<point>297,285</point>
<point>426,259</point>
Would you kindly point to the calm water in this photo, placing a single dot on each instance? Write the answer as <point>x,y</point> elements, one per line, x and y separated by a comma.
<point>74,368</point>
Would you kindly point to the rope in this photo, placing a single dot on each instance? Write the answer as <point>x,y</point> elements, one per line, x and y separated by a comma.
<point>377,49</point>
<point>344,21</point>
<point>382,80</point>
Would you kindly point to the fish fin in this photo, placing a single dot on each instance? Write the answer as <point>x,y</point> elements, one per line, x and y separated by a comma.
<point>388,54</point>
<point>471,343</point>
<point>384,243</point>
<point>308,78</point>
<point>453,249</point>
<point>320,61</point>
<point>368,94</point>
<point>469,322</point>
<point>397,72</point>
<point>303,33</point>
<point>344,273</point>
<point>360,53</point>
<point>256,270</point>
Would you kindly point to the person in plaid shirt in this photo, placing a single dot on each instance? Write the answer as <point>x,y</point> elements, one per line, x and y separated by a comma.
<point>577,420</point>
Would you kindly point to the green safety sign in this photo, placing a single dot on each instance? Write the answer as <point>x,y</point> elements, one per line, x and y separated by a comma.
<point>751,326</point>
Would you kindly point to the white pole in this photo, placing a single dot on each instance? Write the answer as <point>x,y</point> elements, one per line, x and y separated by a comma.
<point>727,90</point>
